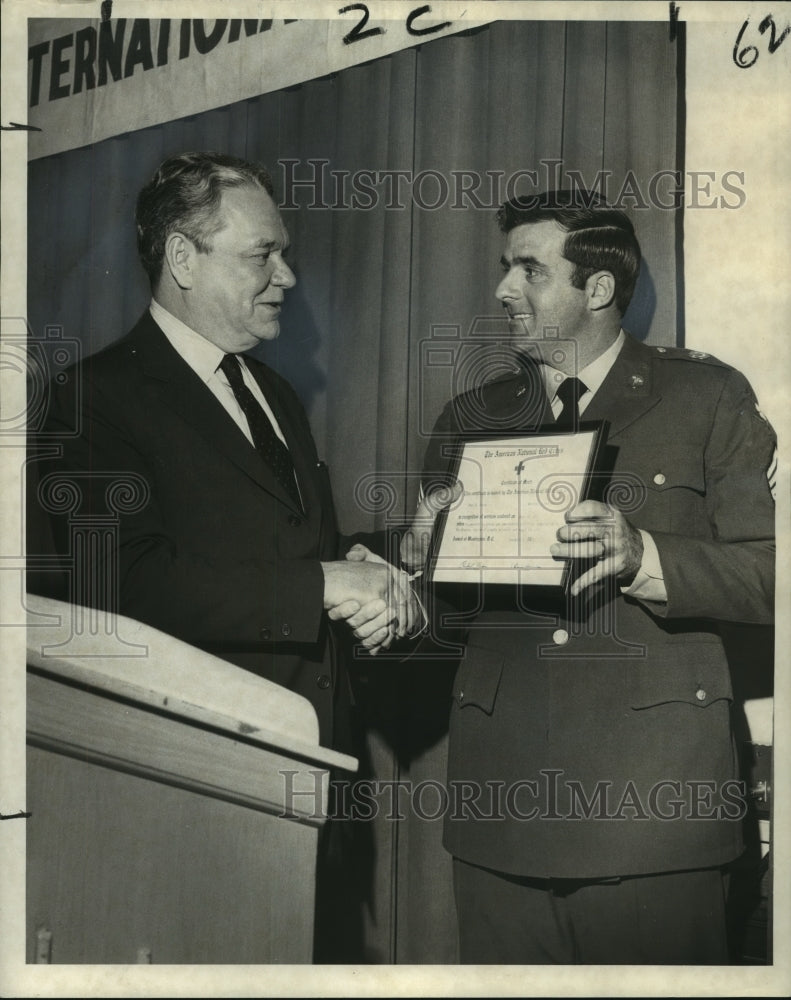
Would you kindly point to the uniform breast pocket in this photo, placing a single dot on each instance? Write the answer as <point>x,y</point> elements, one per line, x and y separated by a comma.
<point>478,679</point>
<point>675,497</point>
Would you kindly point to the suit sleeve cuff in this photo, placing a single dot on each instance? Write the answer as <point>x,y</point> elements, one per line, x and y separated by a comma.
<point>296,606</point>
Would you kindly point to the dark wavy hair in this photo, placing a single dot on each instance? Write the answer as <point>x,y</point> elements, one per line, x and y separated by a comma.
<point>599,238</point>
<point>183,196</point>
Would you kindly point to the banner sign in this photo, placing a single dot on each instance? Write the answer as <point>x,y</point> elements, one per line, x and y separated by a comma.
<point>89,79</point>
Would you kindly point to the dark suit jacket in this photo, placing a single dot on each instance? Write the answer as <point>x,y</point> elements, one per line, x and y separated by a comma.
<point>606,733</point>
<point>209,546</point>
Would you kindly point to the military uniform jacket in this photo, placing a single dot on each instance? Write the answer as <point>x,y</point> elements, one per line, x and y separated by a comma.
<point>599,744</point>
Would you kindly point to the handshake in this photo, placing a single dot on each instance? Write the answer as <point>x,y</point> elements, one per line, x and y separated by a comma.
<point>377,601</point>
<point>374,598</point>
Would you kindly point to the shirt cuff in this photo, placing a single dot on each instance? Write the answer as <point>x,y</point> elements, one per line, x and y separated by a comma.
<point>649,583</point>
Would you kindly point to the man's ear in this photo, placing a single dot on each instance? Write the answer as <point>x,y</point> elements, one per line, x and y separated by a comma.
<point>180,255</point>
<point>600,290</point>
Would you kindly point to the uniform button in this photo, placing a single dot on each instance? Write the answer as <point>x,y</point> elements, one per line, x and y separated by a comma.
<point>660,479</point>
<point>323,681</point>
<point>560,637</point>
<point>294,521</point>
<point>461,696</point>
<point>662,350</point>
<point>286,629</point>
<point>266,633</point>
<point>700,694</point>
<point>637,381</point>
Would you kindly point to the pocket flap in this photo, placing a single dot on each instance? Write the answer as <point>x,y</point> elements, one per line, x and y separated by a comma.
<point>696,673</point>
<point>666,475</point>
<point>478,678</point>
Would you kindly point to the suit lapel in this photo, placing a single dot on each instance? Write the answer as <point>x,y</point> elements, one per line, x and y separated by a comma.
<point>627,392</point>
<point>295,438</point>
<point>172,380</point>
<point>516,402</point>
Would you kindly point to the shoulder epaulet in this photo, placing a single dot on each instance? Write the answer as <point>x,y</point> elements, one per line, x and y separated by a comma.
<point>685,354</point>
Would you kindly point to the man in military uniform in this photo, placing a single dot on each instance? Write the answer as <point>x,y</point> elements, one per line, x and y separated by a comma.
<point>590,742</point>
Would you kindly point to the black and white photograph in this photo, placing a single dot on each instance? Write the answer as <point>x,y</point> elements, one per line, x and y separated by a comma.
<point>396,498</point>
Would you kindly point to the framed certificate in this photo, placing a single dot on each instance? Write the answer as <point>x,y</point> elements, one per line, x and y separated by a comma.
<point>516,492</point>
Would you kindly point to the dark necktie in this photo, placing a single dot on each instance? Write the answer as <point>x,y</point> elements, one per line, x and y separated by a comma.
<point>569,393</point>
<point>267,443</point>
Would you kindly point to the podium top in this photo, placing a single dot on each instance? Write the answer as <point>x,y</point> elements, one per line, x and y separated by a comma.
<point>144,665</point>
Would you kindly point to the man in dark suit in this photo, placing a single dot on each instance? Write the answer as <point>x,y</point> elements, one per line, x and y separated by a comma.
<point>226,537</point>
<point>199,463</point>
<point>594,793</point>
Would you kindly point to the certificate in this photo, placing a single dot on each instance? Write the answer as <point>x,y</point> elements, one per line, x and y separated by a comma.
<point>516,492</point>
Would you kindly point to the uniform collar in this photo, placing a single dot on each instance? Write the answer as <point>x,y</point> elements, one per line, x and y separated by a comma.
<point>593,375</point>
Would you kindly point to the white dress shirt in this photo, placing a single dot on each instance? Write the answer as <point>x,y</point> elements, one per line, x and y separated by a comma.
<point>204,359</point>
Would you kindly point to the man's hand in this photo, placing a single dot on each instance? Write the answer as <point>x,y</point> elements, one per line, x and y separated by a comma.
<point>410,614</point>
<point>416,541</point>
<point>386,609</point>
<point>598,531</point>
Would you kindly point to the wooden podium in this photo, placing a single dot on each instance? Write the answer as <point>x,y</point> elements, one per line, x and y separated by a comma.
<point>176,800</point>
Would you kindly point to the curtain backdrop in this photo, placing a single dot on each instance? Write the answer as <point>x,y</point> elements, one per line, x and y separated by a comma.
<point>377,285</point>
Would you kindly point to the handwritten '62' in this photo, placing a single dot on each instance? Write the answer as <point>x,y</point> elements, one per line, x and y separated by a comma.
<point>746,57</point>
